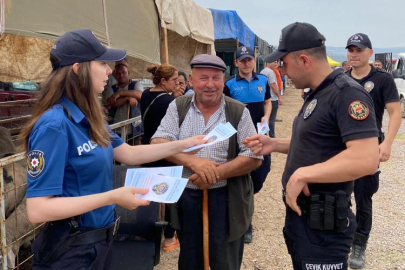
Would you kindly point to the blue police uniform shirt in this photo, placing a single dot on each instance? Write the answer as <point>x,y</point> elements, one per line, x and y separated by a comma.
<point>63,160</point>
<point>252,93</point>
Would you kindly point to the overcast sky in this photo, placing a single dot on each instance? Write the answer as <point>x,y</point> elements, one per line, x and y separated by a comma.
<point>337,20</point>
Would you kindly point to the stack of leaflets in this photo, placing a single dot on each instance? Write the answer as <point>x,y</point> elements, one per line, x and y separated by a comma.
<point>164,183</point>
<point>263,128</point>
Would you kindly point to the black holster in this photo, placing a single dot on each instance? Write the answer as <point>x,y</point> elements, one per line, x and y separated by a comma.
<point>54,240</point>
<point>328,211</point>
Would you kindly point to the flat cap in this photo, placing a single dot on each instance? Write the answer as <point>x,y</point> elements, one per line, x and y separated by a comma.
<point>207,61</point>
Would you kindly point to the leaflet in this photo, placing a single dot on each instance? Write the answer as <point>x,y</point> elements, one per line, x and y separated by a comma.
<point>220,133</point>
<point>173,171</point>
<point>263,128</point>
<point>163,189</point>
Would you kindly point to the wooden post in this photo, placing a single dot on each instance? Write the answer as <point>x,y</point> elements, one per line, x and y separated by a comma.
<point>164,47</point>
<point>206,231</point>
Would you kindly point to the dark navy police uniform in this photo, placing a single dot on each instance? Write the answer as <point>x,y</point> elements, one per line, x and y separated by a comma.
<point>336,112</point>
<point>380,85</point>
<point>252,93</point>
<point>63,161</point>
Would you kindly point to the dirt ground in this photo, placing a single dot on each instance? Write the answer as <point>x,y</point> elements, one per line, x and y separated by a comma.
<point>268,252</point>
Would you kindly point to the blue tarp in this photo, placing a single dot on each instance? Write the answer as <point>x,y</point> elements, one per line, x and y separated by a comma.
<point>228,25</point>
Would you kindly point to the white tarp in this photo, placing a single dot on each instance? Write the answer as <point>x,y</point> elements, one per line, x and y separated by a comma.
<point>187,18</point>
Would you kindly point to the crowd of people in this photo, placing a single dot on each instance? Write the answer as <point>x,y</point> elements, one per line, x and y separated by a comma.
<point>340,124</point>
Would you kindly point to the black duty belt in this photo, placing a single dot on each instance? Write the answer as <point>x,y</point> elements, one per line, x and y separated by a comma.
<point>325,211</point>
<point>96,235</point>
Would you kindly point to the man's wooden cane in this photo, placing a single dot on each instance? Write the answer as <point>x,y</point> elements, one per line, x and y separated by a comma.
<point>206,233</point>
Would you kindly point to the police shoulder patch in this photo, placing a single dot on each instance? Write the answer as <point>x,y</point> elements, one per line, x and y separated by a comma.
<point>358,110</point>
<point>35,163</point>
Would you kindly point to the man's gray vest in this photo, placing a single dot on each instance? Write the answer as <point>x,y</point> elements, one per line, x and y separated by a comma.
<point>240,188</point>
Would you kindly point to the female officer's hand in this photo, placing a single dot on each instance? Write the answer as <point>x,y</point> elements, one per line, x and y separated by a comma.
<point>192,141</point>
<point>125,197</point>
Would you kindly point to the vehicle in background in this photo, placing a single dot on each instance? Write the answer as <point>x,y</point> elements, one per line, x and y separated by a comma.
<point>398,72</point>
<point>16,104</point>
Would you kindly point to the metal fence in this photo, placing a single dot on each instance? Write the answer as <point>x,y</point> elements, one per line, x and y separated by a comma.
<point>17,232</point>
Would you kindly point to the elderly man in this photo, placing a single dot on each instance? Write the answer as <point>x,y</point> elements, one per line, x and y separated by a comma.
<point>334,141</point>
<point>222,168</point>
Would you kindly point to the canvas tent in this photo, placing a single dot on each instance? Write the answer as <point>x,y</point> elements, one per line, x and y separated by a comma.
<point>190,31</point>
<point>28,29</point>
<point>230,31</point>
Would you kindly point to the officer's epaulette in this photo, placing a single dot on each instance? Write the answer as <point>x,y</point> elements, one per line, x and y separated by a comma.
<point>342,81</point>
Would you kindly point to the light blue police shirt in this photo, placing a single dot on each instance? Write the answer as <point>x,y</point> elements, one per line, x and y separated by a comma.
<point>63,161</point>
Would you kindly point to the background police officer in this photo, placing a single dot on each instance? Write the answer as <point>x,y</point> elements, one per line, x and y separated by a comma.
<point>334,130</point>
<point>252,89</point>
<point>380,85</point>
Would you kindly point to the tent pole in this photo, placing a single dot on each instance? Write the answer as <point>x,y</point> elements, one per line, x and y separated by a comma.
<point>164,47</point>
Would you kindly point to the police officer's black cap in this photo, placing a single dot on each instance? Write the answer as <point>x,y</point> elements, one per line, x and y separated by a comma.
<point>207,61</point>
<point>81,45</point>
<point>244,52</point>
<point>295,37</point>
<point>359,40</point>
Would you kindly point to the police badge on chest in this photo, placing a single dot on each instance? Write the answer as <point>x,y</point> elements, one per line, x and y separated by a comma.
<point>310,108</point>
<point>260,88</point>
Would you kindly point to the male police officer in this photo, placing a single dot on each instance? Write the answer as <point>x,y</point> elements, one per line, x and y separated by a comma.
<point>252,89</point>
<point>334,141</point>
<point>380,85</point>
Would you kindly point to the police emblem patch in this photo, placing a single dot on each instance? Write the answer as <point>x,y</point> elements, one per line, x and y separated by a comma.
<point>35,163</point>
<point>260,88</point>
<point>369,86</point>
<point>358,110</point>
<point>310,108</point>
<point>160,188</point>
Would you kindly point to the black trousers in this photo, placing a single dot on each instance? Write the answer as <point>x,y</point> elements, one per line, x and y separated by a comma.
<point>364,189</point>
<point>272,120</point>
<point>316,249</point>
<point>96,256</point>
<point>223,255</point>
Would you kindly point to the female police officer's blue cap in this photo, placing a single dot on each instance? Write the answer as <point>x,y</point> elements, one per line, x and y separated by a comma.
<point>82,46</point>
<point>295,37</point>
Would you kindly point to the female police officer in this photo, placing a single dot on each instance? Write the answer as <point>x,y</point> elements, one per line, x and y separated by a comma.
<point>70,153</point>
